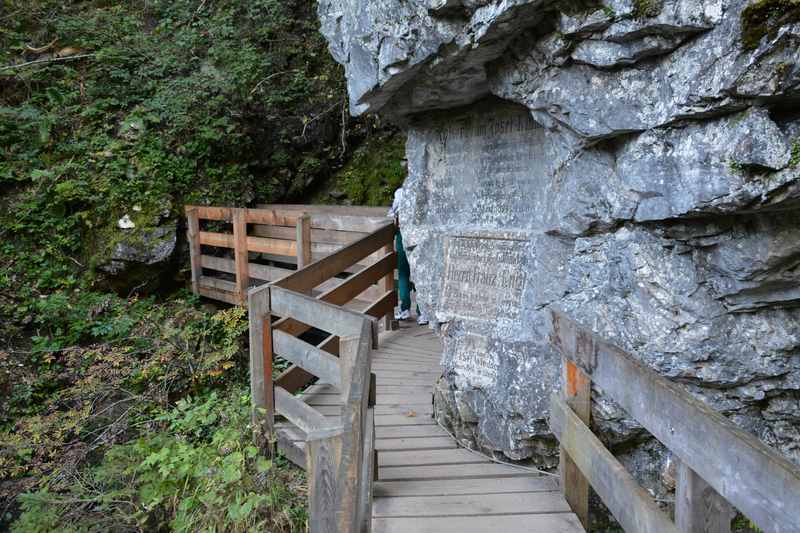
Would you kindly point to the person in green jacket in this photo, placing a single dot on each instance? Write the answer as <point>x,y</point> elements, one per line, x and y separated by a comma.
<point>404,283</point>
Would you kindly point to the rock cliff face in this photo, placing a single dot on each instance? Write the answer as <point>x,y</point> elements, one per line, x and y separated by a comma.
<point>634,163</point>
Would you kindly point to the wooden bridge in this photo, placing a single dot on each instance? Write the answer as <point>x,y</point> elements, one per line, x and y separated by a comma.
<point>354,409</point>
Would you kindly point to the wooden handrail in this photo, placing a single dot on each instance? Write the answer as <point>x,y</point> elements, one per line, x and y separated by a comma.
<point>721,464</point>
<point>288,235</point>
<point>340,453</point>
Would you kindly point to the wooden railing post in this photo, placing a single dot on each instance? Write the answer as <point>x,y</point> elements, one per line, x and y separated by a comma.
<point>261,386</point>
<point>303,241</point>
<point>195,252</point>
<point>323,456</point>
<point>578,395</point>
<point>698,507</point>
<point>240,253</point>
<point>355,365</point>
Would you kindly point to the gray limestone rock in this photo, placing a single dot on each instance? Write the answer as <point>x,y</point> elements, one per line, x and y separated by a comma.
<point>142,248</point>
<point>638,170</point>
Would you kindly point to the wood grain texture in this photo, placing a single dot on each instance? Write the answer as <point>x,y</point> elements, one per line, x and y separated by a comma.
<point>698,507</point>
<point>306,356</point>
<point>327,317</point>
<point>303,241</point>
<point>337,262</point>
<point>240,254</point>
<point>523,523</point>
<point>760,482</point>
<point>261,388</point>
<point>630,504</point>
<point>578,396</point>
<point>323,455</point>
<point>300,413</point>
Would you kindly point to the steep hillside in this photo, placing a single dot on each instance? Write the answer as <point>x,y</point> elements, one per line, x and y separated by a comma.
<point>115,383</point>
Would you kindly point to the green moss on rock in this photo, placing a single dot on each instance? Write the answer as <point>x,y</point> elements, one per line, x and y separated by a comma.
<point>375,171</point>
<point>646,8</point>
<point>764,18</point>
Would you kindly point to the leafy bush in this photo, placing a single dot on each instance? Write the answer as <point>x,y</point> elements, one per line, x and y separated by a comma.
<point>154,104</point>
<point>197,471</point>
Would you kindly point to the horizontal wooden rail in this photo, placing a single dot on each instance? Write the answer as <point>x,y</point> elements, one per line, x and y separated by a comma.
<point>742,470</point>
<point>285,237</point>
<point>321,315</point>
<point>336,263</point>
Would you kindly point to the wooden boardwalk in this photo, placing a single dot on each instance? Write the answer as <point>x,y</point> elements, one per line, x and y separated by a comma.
<point>426,483</point>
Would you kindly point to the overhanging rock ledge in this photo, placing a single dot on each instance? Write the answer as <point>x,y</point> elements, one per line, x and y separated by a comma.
<point>634,163</point>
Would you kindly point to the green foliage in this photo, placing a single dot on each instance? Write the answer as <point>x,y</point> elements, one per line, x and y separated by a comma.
<point>196,471</point>
<point>376,170</point>
<point>646,8</point>
<point>795,159</point>
<point>165,102</point>
<point>764,18</point>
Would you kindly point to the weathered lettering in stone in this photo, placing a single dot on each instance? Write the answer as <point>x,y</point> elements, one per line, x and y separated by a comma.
<point>488,159</point>
<point>474,363</point>
<point>484,278</point>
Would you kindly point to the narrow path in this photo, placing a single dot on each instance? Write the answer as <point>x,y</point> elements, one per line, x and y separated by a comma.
<point>426,483</point>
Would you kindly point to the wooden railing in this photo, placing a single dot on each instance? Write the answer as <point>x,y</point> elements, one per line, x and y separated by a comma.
<point>338,455</point>
<point>286,236</point>
<point>721,467</point>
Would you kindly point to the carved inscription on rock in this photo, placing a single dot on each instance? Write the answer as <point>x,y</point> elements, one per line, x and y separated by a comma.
<point>474,363</point>
<point>487,162</point>
<point>484,278</point>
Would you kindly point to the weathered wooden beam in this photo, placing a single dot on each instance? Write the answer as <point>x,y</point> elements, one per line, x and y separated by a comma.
<point>295,378</point>
<point>349,210</point>
<point>256,271</point>
<point>221,295</point>
<point>261,388</point>
<point>271,217</point>
<point>698,507</point>
<point>577,395</point>
<point>760,483</point>
<point>303,241</point>
<point>207,282</point>
<point>195,251</point>
<point>321,315</point>
<point>355,357</point>
<point>368,472</point>
<point>271,246</point>
<point>630,504</point>
<point>337,262</point>
<point>321,236</point>
<point>222,240</point>
<point>240,254</point>
<point>384,306</point>
<point>323,457</point>
<point>299,412</point>
<point>350,288</point>
<point>207,212</point>
<point>310,358</point>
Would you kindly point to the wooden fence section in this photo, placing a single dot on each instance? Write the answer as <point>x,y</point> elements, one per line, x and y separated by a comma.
<point>720,464</point>
<point>337,452</point>
<point>291,237</point>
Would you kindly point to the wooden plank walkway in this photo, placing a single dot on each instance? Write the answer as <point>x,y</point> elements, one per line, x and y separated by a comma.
<point>426,483</point>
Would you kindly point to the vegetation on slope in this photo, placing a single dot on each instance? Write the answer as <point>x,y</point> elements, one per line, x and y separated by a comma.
<point>121,412</point>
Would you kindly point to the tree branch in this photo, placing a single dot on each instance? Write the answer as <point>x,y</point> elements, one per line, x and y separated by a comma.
<point>43,61</point>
